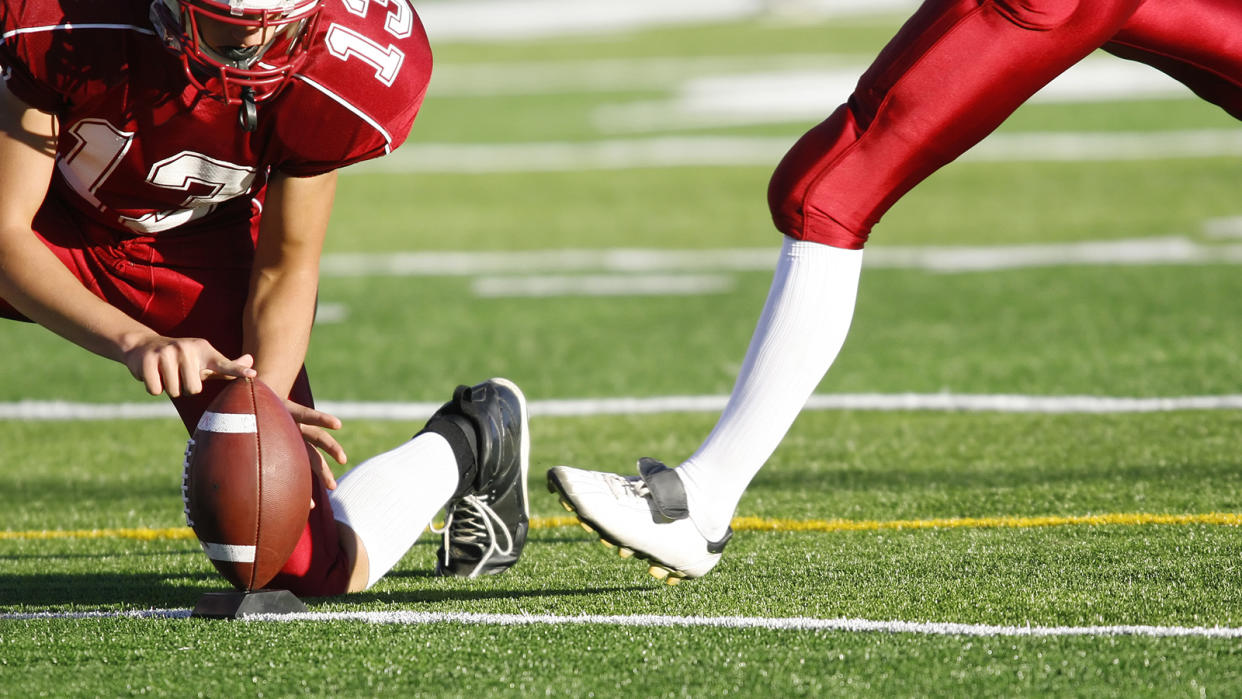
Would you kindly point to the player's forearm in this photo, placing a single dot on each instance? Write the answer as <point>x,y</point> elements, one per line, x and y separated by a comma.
<point>35,282</point>
<point>278,324</point>
<point>285,279</point>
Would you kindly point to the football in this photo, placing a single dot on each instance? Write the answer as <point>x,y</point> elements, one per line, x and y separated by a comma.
<point>247,483</point>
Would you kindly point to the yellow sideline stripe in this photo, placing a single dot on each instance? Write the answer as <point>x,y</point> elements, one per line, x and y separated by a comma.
<point>139,533</point>
<point>765,524</point>
<point>847,525</point>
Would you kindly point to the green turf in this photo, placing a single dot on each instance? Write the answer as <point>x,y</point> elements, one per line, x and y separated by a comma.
<point>68,659</point>
<point>965,204</point>
<point>1142,331</point>
<point>1145,331</point>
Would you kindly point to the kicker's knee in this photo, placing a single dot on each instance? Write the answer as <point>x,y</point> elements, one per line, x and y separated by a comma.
<point>799,209</point>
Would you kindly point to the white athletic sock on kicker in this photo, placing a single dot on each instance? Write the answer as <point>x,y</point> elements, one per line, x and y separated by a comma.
<point>802,328</point>
<point>388,500</point>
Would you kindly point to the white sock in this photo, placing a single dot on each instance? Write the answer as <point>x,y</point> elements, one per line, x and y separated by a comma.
<point>802,328</point>
<point>388,500</point>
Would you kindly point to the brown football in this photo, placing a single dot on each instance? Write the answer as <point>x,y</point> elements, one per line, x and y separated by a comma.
<point>247,483</point>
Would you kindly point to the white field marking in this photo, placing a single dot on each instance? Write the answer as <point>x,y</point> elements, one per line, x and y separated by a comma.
<point>615,260</point>
<point>228,423</point>
<point>1223,228</point>
<point>1178,250</point>
<point>774,624</point>
<point>68,410</point>
<point>1110,146</point>
<point>130,614</point>
<point>584,407</point>
<point>758,151</point>
<point>556,156</point>
<point>481,20</point>
<point>331,313</point>
<point>492,20</point>
<point>778,87</point>
<point>614,74</point>
<point>664,621</point>
<point>812,92</point>
<point>602,285</point>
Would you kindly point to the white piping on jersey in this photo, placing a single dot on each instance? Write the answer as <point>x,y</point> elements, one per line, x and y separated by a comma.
<point>345,103</point>
<point>57,27</point>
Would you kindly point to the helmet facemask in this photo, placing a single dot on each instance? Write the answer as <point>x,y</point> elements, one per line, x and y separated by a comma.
<point>277,32</point>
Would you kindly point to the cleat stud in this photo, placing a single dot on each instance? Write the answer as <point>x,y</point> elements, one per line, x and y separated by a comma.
<point>657,572</point>
<point>624,552</point>
<point>567,506</point>
<point>607,543</point>
<point>672,580</point>
<point>586,526</point>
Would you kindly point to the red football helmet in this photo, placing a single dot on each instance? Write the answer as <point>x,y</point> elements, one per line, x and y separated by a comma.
<point>233,71</point>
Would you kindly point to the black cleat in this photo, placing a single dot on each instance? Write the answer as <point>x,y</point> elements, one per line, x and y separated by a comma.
<point>486,523</point>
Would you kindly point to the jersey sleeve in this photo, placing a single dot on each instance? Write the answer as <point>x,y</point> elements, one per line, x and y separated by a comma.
<point>359,92</point>
<point>24,55</point>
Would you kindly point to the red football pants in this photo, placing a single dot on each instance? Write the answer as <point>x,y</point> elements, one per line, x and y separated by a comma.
<point>956,70</point>
<point>190,286</point>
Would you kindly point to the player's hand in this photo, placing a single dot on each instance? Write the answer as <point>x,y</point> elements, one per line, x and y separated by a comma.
<point>315,425</point>
<point>179,365</point>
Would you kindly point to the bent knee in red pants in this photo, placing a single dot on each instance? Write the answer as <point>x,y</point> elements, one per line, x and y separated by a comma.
<point>318,567</point>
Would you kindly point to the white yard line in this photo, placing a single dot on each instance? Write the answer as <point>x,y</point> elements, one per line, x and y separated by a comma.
<point>664,621</point>
<point>538,286</point>
<point>557,156</point>
<point>605,75</point>
<point>1179,250</point>
<point>499,20</point>
<point>777,86</point>
<point>586,407</point>
<point>733,151</point>
<point>810,92</point>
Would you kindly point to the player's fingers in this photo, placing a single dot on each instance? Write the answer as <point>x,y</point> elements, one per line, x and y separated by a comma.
<point>151,374</point>
<point>309,416</point>
<point>191,379</point>
<point>218,366</point>
<point>325,441</point>
<point>170,371</point>
<point>319,466</point>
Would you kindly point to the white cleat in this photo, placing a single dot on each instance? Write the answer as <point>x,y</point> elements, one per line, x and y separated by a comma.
<point>642,516</point>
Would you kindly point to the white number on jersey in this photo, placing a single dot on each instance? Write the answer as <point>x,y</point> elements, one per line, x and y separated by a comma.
<point>216,180</point>
<point>99,148</point>
<point>206,181</point>
<point>346,43</point>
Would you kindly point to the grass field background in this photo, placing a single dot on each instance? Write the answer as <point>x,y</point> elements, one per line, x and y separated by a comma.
<point>1151,330</point>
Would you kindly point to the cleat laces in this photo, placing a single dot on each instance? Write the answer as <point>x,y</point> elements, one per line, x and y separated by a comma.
<point>629,486</point>
<point>472,522</point>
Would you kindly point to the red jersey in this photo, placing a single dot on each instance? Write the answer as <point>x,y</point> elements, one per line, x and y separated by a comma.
<point>142,152</point>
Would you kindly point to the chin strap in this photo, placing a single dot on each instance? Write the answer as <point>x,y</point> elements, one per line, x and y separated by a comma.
<point>248,113</point>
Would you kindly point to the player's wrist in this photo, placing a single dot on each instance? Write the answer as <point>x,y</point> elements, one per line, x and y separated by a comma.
<point>130,340</point>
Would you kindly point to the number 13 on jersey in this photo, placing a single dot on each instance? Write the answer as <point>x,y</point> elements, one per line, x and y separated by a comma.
<point>346,43</point>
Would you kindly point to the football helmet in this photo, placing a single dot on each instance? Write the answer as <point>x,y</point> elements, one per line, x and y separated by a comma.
<point>241,72</point>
